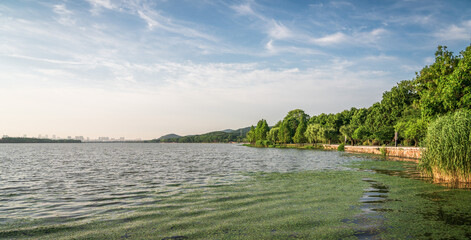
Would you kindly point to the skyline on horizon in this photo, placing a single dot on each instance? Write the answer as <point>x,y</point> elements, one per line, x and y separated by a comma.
<point>143,69</point>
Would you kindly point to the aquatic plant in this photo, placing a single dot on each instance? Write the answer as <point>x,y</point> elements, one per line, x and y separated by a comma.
<point>448,153</point>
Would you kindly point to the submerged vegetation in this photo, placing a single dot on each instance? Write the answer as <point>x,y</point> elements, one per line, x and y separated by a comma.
<point>448,154</point>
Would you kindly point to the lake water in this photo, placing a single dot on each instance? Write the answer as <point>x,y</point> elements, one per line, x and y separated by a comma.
<point>80,181</point>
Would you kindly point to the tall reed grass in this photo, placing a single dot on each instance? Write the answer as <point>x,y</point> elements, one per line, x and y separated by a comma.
<point>448,153</point>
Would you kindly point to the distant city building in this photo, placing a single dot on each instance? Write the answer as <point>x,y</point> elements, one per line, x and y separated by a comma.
<point>5,136</point>
<point>79,138</point>
<point>103,139</point>
<point>46,136</point>
<point>69,137</point>
<point>39,136</point>
<point>121,139</point>
<point>53,136</point>
<point>25,136</point>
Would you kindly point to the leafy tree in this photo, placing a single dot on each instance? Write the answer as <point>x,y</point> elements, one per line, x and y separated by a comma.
<point>251,138</point>
<point>272,135</point>
<point>359,117</point>
<point>326,134</point>
<point>384,133</point>
<point>431,83</point>
<point>347,131</point>
<point>361,133</point>
<point>284,133</point>
<point>299,135</point>
<point>312,132</point>
<point>261,130</point>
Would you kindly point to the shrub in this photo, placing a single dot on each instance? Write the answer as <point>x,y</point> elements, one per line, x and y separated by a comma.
<point>383,150</point>
<point>448,153</point>
<point>341,147</point>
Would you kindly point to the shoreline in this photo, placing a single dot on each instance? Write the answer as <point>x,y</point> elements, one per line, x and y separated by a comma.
<point>414,153</point>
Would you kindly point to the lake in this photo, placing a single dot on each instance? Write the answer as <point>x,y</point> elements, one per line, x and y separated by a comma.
<point>75,190</point>
<point>82,180</point>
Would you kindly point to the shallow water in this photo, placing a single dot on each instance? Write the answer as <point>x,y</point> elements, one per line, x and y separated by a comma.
<point>79,181</point>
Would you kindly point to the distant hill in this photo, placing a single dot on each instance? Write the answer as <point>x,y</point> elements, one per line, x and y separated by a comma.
<point>227,130</point>
<point>227,135</point>
<point>168,136</point>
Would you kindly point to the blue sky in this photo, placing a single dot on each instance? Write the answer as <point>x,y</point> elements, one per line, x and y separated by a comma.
<point>141,68</point>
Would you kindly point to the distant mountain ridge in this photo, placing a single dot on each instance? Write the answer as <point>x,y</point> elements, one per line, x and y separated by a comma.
<point>227,135</point>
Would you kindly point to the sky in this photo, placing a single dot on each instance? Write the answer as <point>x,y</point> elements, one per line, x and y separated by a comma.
<point>142,68</point>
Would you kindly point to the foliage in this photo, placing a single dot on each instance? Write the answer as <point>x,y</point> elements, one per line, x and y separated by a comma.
<point>312,132</point>
<point>326,134</point>
<point>448,141</point>
<point>347,131</point>
<point>445,85</point>
<point>361,133</point>
<point>341,147</point>
<point>383,150</point>
<point>261,130</point>
<point>272,135</point>
<point>408,108</point>
<point>384,134</point>
<point>299,135</point>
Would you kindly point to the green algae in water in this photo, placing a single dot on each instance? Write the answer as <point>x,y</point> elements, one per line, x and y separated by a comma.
<point>306,205</point>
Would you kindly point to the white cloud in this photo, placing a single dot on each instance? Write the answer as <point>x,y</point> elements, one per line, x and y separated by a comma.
<point>98,5</point>
<point>279,31</point>
<point>356,38</point>
<point>331,39</point>
<point>157,21</point>
<point>65,15</point>
<point>455,32</point>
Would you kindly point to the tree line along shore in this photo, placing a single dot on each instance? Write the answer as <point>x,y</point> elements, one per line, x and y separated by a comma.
<point>433,110</point>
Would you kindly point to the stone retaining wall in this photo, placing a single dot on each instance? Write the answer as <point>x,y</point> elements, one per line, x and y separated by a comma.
<point>406,152</point>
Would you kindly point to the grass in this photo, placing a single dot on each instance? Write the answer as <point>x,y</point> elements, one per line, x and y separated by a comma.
<point>304,205</point>
<point>448,153</point>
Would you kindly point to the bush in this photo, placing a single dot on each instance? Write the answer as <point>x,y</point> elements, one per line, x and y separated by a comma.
<point>448,153</point>
<point>383,150</point>
<point>341,147</point>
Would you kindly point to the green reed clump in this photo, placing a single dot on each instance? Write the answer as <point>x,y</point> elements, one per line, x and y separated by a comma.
<point>448,153</point>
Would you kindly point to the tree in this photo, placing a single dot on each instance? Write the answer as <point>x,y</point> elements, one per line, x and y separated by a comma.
<point>261,130</point>
<point>299,135</point>
<point>284,133</point>
<point>384,133</point>
<point>361,133</point>
<point>326,134</point>
<point>347,131</point>
<point>312,131</point>
<point>432,84</point>
<point>272,135</point>
<point>251,135</point>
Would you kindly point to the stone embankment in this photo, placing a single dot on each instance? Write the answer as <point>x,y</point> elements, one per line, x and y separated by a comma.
<point>403,152</point>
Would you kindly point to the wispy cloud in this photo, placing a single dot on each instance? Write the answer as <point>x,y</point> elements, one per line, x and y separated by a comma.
<point>356,38</point>
<point>65,15</point>
<point>455,32</point>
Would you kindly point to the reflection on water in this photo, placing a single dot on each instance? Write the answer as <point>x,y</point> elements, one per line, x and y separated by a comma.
<point>75,181</point>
